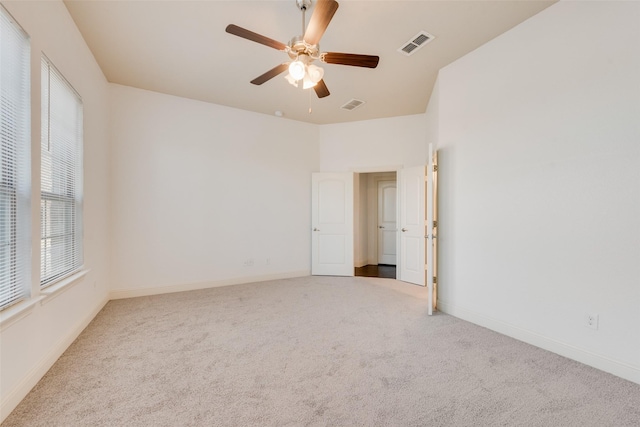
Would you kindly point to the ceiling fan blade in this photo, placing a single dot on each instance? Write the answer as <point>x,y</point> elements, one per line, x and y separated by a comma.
<point>270,74</point>
<point>321,89</point>
<point>322,14</point>
<point>367,61</point>
<point>254,37</point>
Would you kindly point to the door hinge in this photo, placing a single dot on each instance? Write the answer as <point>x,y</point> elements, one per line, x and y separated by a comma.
<point>435,281</point>
<point>435,168</point>
<point>435,224</point>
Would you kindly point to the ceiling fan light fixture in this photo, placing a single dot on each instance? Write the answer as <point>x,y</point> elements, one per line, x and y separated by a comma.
<point>315,73</point>
<point>297,70</point>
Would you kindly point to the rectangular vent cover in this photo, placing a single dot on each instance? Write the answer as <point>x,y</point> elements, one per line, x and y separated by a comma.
<point>416,42</point>
<point>352,105</point>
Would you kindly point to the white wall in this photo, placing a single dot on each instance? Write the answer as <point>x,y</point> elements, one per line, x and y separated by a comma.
<point>32,341</point>
<point>539,135</point>
<point>373,145</point>
<point>200,189</point>
<point>432,117</point>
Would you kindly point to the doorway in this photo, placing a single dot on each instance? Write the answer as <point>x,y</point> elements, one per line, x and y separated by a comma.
<point>375,224</point>
<point>342,220</point>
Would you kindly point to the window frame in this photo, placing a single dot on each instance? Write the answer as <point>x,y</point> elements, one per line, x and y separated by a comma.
<point>15,180</point>
<point>71,197</point>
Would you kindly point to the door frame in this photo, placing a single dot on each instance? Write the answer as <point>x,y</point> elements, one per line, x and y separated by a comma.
<point>432,229</point>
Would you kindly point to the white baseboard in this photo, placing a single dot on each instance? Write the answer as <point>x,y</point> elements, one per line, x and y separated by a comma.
<point>15,396</point>
<point>142,292</point>
<point>620,369</point>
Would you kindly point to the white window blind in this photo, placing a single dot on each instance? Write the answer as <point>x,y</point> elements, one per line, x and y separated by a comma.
<point>15,131</point>
<point>61,178</point>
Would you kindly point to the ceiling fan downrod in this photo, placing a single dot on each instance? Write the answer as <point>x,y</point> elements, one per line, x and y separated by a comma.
<point>303,5</point>
<point>298,48</point>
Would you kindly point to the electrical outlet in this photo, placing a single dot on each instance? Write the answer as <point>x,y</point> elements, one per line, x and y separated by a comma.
<point>249,262</point>
<point>591,321</point>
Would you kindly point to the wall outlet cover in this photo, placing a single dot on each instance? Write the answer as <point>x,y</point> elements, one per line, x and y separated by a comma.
<point>591,321</point>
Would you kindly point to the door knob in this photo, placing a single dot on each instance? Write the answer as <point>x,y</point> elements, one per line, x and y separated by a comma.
<point>316,229</point>
<point>404,229</point>
<point>381,226</point>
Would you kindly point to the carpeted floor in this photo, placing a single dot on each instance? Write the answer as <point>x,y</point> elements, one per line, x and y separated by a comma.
<point>314,351</point>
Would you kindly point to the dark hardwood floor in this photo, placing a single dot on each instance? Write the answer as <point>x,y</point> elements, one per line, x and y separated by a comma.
<point>380,270</point>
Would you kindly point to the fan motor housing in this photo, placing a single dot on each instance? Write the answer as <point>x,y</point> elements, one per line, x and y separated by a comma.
<point>297,46</point>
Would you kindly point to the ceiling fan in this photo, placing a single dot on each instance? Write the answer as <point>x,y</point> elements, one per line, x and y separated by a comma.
<point>305,49</point>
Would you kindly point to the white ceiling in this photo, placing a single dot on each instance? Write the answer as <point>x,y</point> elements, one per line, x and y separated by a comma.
<point>181,48</point>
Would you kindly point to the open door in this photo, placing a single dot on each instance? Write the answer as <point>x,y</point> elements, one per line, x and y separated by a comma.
<point>332,224</point>
<point>411,207</point>
<point>432,229</point>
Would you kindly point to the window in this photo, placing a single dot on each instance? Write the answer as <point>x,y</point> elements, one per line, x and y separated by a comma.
<point>15,132</point>
<point>61,178</point>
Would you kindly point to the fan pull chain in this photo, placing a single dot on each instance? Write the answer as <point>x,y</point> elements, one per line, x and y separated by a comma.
<point>310,110</point>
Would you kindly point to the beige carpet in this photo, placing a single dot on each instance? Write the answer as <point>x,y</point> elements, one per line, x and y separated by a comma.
<point>312,352</point>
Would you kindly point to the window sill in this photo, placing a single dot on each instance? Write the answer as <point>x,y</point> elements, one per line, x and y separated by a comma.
<point>18,311</point>
<point>22,309</point>
<point>52,291</point>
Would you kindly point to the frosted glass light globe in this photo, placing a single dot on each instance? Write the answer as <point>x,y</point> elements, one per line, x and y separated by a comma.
<point>315,73</point>
<point>297,70</point>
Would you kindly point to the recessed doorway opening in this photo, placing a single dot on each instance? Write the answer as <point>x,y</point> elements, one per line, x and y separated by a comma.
<point>375,224</point>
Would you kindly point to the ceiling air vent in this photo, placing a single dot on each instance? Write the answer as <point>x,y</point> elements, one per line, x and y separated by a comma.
<point>416,42</point>
<point>352,105</point>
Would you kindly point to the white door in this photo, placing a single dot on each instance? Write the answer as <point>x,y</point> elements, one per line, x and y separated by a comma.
<point>387,228</point>
<point>332,224</point>
<point>411,259</point>
<point>432,229</point>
